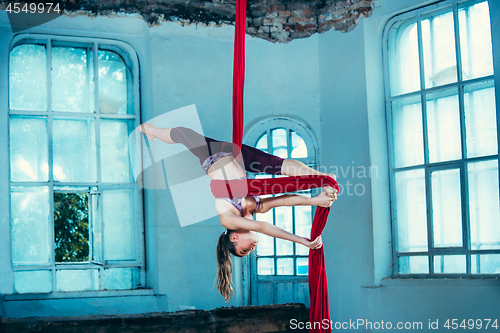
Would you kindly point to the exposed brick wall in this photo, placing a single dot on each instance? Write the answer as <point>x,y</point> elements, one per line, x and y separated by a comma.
<point>251,319</point>
<point>291,19</point>
<point>273,20</point>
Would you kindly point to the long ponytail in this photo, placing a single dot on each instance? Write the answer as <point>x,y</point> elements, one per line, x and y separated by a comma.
<point>225,264</point>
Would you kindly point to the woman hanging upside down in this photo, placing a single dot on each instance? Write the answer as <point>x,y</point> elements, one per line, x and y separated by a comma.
<point>218,161</point>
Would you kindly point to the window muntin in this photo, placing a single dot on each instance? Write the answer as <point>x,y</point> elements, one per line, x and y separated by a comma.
<point>444,142</point>
<point>277,256</point>
<point>70,173</point>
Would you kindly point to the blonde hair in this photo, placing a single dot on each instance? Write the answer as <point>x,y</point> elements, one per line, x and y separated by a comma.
<point>225,265</point>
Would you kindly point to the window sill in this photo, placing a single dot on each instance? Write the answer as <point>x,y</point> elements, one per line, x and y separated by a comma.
<point>442,282</point>
<point>79,294</point>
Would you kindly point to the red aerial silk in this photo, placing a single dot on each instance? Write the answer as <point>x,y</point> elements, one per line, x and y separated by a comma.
<point>319,314</point>
<point>239,71</point>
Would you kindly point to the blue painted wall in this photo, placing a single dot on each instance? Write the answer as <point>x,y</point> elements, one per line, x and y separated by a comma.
<point>333,83</point>
<point>353,109</point>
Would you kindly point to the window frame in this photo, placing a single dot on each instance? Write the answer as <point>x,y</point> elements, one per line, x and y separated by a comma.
<point>129,56</point>
<point>251,138</point>
<point>415,16</point>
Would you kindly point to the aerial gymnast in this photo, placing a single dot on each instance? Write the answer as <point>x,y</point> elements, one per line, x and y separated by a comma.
<point>236,214</point>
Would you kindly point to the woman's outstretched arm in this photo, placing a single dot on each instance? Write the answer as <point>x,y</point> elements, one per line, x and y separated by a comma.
<point>322,200</point>
<point>235,222</point>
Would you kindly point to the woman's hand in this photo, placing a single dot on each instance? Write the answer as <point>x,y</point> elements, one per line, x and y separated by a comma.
<point>324,200</point>
<point>315,244</point>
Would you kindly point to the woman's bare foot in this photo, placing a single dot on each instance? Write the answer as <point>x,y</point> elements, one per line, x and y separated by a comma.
<point>323,200</point>
<point>330,191</point>
<point>147,129</point>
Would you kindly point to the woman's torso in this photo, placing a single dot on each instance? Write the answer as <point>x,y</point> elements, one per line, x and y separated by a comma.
<point>228,168</point>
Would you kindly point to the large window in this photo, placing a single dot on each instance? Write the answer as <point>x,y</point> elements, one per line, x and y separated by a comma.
<point>278,268</point>
<point>276,256</point>
<point>444,151</point>
<point>76,213</point>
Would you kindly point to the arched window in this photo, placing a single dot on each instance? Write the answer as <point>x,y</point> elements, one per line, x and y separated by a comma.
<point>442,123</point>
<point>76,212</point>
<point>280,266</point>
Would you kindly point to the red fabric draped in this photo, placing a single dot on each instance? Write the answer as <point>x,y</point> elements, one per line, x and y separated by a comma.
<point>319,314</point>
<point>245,187</point>
<point>239,71</point>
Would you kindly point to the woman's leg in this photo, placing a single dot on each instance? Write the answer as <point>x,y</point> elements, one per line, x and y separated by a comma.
<point>288,200</point>
<point>153,132</point>
<point>296,168</point>
<point>257,161</point>
<point>201,146</point>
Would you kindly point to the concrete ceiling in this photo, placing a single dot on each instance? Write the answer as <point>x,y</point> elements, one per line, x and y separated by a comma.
<point>273,20</point>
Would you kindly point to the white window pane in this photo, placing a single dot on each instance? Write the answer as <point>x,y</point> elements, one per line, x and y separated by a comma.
<point>121,278</point>
<point>72,79</point>
<point>446,208</point>
<point>407,132</point>
<point>438,42</point>
<point>28,78</point>
<point>414,265</point>
<point>113,84</point>
<point>265,266</point>
<point>119,230</point>
<point>403,58</point>
<point>480,120</point>
<point>449,264</point>
<point>28,149</point>
<point>281,152</point>
<point>284,221</point>
<point>279,142</point>
<point>302,266</point>
<point>485,264</point>
<point>411,219</point>
<point>303,223</point>
<point>443,126</point>
<point>475,40</point>
<point>299,148</point>
<point>33,282</point>
<point>74,150</point>
<point>285,266</point>
<point>115,166</point>
<point>262,143</point>
<point>265,246</point>
<point>484,205</point>
<point>30,230</point>
<point>77,280</point>
<point>266,243</point>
